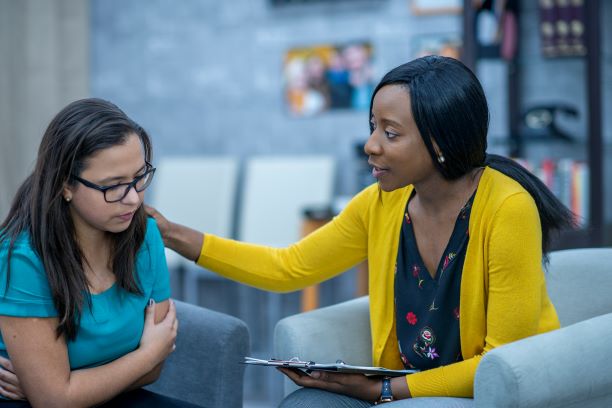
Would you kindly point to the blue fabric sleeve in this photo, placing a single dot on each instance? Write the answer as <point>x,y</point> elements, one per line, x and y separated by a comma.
<point>28,293</point>
<point>161,286</point>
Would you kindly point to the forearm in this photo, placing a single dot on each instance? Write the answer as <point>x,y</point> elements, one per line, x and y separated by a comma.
<point>399,387</point>
<point>453,380</point>
<point>97,385</point>
<point>320,256</point>
<point>41,360</point>
<point>161,311</point>
<point>184,240</point>
<point>148,378</point>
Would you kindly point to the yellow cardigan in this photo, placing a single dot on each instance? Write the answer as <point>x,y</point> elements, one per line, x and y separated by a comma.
<point>503,292</point>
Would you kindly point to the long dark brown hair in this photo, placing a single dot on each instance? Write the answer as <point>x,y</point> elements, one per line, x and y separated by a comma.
<point>81,129</point>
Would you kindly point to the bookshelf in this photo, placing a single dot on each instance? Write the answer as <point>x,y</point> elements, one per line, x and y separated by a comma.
<point>592,234</point>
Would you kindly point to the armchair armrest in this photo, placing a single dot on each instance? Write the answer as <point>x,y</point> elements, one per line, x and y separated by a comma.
<point>569,367</point>
<point>205,368</point>
<point>335,332</point>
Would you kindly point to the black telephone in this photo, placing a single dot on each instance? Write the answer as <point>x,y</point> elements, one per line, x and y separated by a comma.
<point>540,121</point>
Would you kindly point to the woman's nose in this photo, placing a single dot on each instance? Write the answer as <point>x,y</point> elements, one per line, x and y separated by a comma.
<point>132,197</point>
<point>372,147</point>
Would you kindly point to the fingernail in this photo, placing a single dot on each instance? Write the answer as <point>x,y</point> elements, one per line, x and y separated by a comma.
<point>315,374</point>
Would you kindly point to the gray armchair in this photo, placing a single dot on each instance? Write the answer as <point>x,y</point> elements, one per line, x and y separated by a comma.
<point>205,369</point>
<point>569,367</point>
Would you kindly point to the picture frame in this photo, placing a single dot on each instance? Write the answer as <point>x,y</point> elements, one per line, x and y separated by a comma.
<point>433,7</point>
<point>444,44</point>
<point>328,77</point>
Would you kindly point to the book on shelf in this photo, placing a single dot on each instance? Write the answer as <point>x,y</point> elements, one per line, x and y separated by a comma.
<point>562,28</point>
<point>568,180</point>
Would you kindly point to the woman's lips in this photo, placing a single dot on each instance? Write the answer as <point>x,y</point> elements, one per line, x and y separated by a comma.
<point>377,172</point>
<point>126,216</point>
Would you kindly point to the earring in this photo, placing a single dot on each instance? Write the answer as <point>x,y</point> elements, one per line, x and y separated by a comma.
<point>441,159</point>
<point>68,199</point>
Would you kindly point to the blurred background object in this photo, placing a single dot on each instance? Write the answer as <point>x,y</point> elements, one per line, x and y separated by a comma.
<point>541,122</point>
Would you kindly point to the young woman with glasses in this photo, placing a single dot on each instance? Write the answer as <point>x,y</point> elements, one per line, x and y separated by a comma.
<point>85,314</point>
<point>454,240</point>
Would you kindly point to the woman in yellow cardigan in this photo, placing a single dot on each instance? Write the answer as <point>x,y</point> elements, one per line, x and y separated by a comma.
<point>454,240</point>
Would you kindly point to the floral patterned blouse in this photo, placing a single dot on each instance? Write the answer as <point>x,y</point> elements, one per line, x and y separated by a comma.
<point>426,308</point>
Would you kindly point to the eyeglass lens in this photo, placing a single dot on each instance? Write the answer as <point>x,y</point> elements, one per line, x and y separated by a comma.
<point>119,192</point>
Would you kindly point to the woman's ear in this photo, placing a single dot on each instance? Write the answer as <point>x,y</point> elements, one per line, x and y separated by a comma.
<point>439,153</point>
<point>67,193</point>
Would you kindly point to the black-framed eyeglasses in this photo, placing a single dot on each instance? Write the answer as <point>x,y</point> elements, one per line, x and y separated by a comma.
<point>113,194</point>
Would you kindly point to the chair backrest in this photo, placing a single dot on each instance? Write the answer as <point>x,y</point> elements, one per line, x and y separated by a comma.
<point>579,283</point>
<point>276,190</point>
<point>198,191</point>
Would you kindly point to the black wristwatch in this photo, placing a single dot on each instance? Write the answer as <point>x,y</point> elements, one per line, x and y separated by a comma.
<point>386,395</point>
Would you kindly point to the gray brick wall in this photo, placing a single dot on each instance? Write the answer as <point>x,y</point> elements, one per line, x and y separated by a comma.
<point>205,76</point>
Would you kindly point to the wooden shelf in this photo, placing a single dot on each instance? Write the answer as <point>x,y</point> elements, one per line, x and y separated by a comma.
<point>594,235</point>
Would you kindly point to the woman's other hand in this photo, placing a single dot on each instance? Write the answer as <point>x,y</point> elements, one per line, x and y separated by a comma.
<point>184,240</point>
<point>353,385</point>
<point>159,339</point>
<point>9,383</point>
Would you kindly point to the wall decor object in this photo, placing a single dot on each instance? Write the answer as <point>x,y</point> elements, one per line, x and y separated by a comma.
<point>425,7</point>
<point>444,44</point>
<point>328,77</point>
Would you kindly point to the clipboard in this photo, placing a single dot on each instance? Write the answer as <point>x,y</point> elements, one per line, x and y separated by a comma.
<point>338,367</point>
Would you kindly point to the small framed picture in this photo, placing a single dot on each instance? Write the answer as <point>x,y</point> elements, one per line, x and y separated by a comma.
<point>328,77</point>
<point>429,7</point>
<point>444,44</point>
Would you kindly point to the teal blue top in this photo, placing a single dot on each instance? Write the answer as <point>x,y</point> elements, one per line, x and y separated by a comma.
<point>112,327</point>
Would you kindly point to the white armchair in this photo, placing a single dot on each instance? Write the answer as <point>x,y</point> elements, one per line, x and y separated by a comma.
<point>569,367</point>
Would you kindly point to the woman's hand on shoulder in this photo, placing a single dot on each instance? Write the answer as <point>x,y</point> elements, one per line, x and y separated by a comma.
<point>184,240</point>
<point>159,339</point>
<point>9,383</point>
<point>353,385</point>
<point>163,224</point>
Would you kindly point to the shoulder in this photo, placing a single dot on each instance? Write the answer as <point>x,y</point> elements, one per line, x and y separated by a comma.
<point>151,264</point>
<point>152,234</point>
<point>499,183</point>
<point>373,195</point>
<point>501,196</point>
<point>22,252</point>
<point>152,243</point>
<point>152,247</point>
<point>152,228</point>
<point>369,193</point>
<point>374,202</point>
<point>27,292</point>
<point>496,188</point>
<point>361,201</point>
